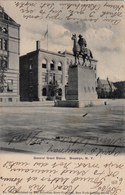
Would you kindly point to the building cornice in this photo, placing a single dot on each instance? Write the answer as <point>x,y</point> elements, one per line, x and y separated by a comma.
<point>9,22</point>
<point>44,51</point>
<point>51,52</point>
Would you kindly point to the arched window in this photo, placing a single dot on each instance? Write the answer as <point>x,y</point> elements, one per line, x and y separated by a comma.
<point>44,92</point>
<point>59,66</point>
<point>44,63</point>
<point>85,89</point>
<point>88,89</point>
<point>4,30</point>
<point>52,65</point>
<point>60,92</point>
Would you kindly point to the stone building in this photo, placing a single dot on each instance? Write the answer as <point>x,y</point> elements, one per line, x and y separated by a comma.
<point>9,57</point>
<point>39,70</point>
<point>105,88</point>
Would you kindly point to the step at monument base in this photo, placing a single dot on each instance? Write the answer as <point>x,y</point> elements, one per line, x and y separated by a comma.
<point>81,104</point>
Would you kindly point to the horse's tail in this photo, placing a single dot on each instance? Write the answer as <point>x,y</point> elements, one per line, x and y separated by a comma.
<point>89,53</point>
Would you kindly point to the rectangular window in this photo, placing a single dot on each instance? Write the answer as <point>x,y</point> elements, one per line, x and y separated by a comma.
<point>59,68</point>
<point>52,66</point>
<point>44,77</point>
<point>9,99</point>
<point>0,43</point>
<point>43,65</point>
<point>59,78</point>
<point>5,44</point>
<point>0,61</point>
<point>3,61</point>
<point>9,85</point>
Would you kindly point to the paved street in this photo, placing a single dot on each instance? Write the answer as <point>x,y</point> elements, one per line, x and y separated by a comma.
<point>43,128</point>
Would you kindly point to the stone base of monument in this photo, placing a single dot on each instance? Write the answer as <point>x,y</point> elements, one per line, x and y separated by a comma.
<point>81,90</point>
<point>81,104</point>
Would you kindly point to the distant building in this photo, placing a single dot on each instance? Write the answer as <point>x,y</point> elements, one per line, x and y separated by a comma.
<point>41,69</point>
<point>105,88</point>
<point>120,92</point>
<point>9,56</point>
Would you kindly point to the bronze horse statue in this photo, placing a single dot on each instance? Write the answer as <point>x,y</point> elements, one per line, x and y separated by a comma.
<point>84,52</point>
<point>76,49</point>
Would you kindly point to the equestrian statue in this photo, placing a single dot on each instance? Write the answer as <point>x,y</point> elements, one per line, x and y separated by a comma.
<point>80,49</point>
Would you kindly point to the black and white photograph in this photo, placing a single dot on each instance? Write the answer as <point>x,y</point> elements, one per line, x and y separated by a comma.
<point>62,97</point>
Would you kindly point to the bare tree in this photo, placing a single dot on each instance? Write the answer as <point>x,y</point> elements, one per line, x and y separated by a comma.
<point>53,89</point>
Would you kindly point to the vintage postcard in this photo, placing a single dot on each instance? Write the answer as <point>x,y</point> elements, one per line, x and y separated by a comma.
<point>62,97</point>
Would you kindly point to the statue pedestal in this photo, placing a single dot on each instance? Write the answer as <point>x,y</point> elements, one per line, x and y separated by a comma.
<point>81,90</point>
<point>81,84</point>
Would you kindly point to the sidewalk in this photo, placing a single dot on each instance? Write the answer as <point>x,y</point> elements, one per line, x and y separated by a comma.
<point>52,103</point>
<point>27,104</point>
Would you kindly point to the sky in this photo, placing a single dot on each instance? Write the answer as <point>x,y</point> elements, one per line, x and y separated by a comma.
<point>105,39</point>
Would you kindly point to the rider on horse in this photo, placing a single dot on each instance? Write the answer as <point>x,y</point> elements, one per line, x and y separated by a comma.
<point>82,43</point>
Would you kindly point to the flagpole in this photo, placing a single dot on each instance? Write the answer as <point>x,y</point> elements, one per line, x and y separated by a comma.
<point>47,37</point>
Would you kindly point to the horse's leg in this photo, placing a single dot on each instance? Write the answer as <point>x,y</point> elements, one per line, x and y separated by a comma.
<point>75,60</point>
<point>90,61</point>
<point>83,57</point>
<point>78,59</point>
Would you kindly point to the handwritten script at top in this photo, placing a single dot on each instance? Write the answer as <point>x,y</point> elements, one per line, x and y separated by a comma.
<point>54,175</point>
<point>88,12</point>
